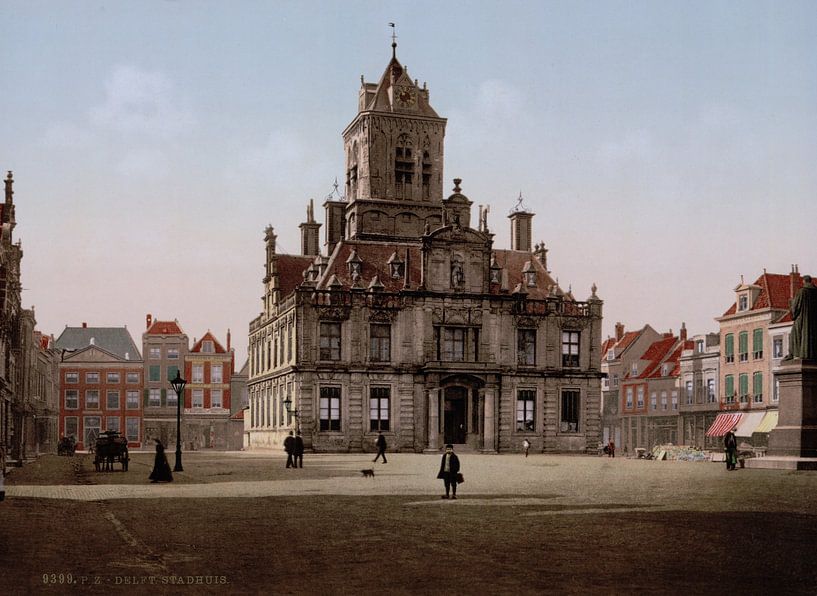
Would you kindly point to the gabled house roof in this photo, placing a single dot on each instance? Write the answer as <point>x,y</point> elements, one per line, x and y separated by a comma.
<point>164,328</point>
<point>115,340</point>
<point>775,292</point>
<point>217,347</point>
<point>397,72</point>
<point>291,272</point>
<point>656,354</point>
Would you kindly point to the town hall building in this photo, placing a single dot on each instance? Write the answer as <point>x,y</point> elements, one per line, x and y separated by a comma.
<point>412,322</point>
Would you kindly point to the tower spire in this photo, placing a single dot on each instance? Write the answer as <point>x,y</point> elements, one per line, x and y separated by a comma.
<point>393,41</point>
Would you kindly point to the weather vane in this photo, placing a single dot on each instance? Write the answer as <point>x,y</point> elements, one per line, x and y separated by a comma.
<point>393,40</point>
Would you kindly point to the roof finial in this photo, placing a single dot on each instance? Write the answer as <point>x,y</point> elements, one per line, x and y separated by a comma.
<point>393,41</point>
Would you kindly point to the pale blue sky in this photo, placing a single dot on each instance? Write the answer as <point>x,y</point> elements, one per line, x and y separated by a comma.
<point>666,147</point>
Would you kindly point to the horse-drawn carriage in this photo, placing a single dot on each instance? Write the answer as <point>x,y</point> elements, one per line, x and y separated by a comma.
<point>111,447</point>
<point>66,446</point>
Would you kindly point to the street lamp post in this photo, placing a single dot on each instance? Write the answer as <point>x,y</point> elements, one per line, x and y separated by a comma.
<point>178,386</point>
<point>295,412</point>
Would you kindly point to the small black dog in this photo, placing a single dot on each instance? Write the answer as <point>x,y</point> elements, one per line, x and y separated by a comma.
<point>368,472</point>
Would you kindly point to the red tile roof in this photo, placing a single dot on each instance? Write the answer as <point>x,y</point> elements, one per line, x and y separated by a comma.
<point>239,415</point>
<point>164,328</point>
<point>656,354</point>
<point>606,345</point>
<point>514,261</point>
<point>291,272</point>
<point>775,292</point>
<point>626,340</point>
<point>219,349</point>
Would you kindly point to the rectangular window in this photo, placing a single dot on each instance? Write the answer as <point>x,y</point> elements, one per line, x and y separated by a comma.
<point>640,397</point>
<point>92,428</point>
<point>777,347</point>
<point>132,400</point>
<point>133,378</point>
<point>663,400</point>
<point>379,408</point>
<point>171,372</point>
<point>112,423</point>
<point>71,399</point>
<point>776,394</point>
<point>634,369</point>
<point>757,386</point>
<point>171,399</point>
<point>71,426</point>
<point>526,346</point>
<point>654,400</point>
<point>173,353</point>
<point>729,381</point>
<point>743,346</point>
<point>113,378</point>
<point>216,373</point>
<point>155,398</point>
<point>525,404</point>
<point>207,347</point>
<point>92,399</point>
<point>690,398</point>
<point>92,377</point>
<point>155,353</point>
<point>330,408</point>
<point>629,403</point>
<point>571,399</point>
<point>198,374</point>
<point>710,391</point>
<point>743,302</point>
<point>453,348</point>
<point>155,373</point>
<point>132,429</point>
<point>729,347</point>
<point>743,387</point>
<point>112,400</point>
<point>216,399</point>
<point>379,343</point>
<point>757,344</point>
<point>674,400</point>
<point>570,348</point>
<point>330,341</point>
<point>615,380</point>
<point>72,377</point>
<point>198,398</point>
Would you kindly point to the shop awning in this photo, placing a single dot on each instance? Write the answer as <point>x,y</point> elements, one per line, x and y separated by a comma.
<point>723,423</point>
<point>748,424</point>
<point>768,423</point>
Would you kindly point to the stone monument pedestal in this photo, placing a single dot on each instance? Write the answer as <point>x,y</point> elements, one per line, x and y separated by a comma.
<point>793,443</point>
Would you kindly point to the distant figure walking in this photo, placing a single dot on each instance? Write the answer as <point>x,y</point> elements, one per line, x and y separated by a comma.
<point>298,451</point>
<point>161,469</point>
<point>449,469</point>
<point>289,447</point>
<point>730,445</point>
<point>611,448</point>
<point>381,447</point>
<point>526,446</point>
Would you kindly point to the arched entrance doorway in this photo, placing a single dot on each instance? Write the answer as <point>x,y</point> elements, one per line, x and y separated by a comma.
<point>455,411</point>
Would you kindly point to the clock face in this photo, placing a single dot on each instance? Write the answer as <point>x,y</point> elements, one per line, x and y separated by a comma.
<point>406,98</point>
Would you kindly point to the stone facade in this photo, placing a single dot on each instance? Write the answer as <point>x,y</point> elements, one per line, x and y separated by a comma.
<point>413,323</point>
<point>699,407</point>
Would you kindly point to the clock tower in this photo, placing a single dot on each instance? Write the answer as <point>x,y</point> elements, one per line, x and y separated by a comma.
<point>394,159</point>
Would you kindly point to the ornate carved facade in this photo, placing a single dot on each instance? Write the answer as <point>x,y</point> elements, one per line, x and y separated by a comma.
<point>413,323</point>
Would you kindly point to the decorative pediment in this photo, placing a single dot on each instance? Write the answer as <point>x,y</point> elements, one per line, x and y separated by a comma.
<point>333,313</point>
<point>452,233</point>
<point>382,316</point>
<point>456,316</point>
<point>527,322</point>
<point>568,323</point>
<point>93,354</point>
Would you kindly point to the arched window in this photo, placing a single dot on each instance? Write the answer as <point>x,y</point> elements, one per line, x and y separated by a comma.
<point>403,167</point>
<point>351,173</point>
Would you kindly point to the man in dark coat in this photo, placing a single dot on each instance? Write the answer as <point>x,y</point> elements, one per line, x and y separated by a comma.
<point>730,446</point>
<point>381,447</point>
<point>449,468</point>
<point>298,451</point>
<point>803,336</point>
<point>289,447</point>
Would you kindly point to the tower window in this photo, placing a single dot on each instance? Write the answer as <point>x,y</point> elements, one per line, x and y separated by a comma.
<point>403,167</point>
<point>426,176</point>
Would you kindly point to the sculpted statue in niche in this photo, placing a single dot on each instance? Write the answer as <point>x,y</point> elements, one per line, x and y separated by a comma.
<point>457,274</point>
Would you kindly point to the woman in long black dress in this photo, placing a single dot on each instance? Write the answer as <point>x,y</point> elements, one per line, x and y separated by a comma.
<point>161,469</point>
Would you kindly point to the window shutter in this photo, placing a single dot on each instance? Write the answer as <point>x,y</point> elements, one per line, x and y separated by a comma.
<point>730,345</point>
<point>743,342</point>
<point>758,383</point>
<point>757,340</point>
<point>730,385</point>
<point>145,398</point>
<point>164,397</point>
<point>744,384</point>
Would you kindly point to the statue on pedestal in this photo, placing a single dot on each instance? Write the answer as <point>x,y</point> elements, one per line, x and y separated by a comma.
<point>803,336</point>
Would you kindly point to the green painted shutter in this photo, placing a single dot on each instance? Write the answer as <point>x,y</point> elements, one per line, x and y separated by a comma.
<point>743,342</point>
<point>758,383</point>
<point>743,380</point>
<point>730,385</point>
<point>730,345</point>
<point>757,340</point>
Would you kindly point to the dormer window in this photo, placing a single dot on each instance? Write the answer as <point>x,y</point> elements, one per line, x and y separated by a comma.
<point>699,346</point>
<point>396,266</point>
<point>355,265</point>
<point>743,302</point>
<point>207,347</point>
<point>634,369</point>
<point>664,369</point>
<point>529,274</point>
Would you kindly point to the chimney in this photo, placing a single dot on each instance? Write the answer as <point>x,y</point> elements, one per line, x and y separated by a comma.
<point>683,331</point>
<point>793,281</point>
<point>9,187</point>
<point>310,238</point>
<point>335,223</point>
<point>619,331</point>
<point>228,340</point>
<point>84,325</point>
<point>148,320</point>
